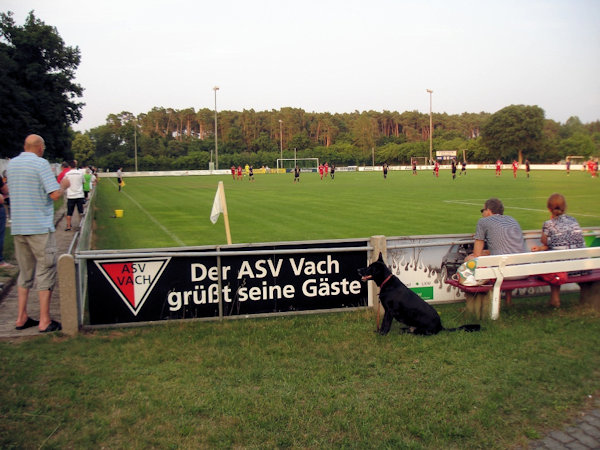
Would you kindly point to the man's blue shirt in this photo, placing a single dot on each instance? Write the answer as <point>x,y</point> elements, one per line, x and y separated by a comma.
<point>30,180</point>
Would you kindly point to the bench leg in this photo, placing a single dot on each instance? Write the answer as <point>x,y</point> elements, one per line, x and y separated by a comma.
<point>479,305</point>
<point>590,294</point>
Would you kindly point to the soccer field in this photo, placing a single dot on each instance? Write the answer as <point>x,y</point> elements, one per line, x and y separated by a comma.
<point>174,211</point>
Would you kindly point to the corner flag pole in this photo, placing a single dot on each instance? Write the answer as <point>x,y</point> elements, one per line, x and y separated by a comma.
<point>225,215</point>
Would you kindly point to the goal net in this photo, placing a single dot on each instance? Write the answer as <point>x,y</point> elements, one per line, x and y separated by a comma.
<point>302,163</point>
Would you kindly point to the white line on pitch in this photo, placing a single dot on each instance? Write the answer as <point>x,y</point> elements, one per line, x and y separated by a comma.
<point>151,217</point>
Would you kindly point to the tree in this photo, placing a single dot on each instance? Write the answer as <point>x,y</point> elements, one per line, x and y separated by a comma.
<point>514,131</point>
<point>37,91</point>
<point>572,125</point>
<point>263,143</point>
<point>579,144</point>
<point>83,149</point>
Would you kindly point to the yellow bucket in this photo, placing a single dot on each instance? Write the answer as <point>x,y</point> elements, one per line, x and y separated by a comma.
<point>118,213</point>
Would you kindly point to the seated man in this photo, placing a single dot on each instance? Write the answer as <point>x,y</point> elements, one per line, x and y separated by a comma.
<point>502,234</point>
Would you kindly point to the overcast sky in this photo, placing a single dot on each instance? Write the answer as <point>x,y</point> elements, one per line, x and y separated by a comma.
<point>330,55</point>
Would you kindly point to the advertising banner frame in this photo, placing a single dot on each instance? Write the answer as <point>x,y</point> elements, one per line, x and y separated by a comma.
<point>223,282</point>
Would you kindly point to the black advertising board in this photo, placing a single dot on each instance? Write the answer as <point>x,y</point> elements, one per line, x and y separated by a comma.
<point>122,290</point>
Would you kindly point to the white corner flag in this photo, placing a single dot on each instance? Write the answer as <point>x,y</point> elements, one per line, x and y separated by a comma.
<point>217,207</point>
<point>220,206</point>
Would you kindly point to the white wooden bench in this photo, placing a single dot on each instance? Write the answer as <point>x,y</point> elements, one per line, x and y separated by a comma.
<point>498,268</point>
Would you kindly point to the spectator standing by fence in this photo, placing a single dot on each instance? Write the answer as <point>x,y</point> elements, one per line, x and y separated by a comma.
<point>3,194</point>
<point>75,195</point>
<point>87,182</point>
<point>33,188</point>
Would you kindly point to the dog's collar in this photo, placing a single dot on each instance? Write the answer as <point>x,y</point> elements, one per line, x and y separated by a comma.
<point>386,280</point>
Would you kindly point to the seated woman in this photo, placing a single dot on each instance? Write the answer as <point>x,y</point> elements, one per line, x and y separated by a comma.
<point>559,233</point>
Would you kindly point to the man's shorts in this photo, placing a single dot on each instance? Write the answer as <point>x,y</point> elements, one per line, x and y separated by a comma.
<point>36,257</point>
<point>72,202</point>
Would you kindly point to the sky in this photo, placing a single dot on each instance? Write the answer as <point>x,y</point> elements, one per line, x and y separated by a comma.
<point>332,56</point>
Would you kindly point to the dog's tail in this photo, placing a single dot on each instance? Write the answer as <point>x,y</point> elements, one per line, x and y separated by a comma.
<point>469,328</point>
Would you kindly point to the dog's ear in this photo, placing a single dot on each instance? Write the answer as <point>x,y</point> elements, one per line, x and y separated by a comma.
<point>380,257</point>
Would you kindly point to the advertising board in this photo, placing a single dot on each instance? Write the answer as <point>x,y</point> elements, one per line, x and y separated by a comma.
<point>122,290</point>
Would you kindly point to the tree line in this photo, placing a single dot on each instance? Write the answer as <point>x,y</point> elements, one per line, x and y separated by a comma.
<point>167,138</point>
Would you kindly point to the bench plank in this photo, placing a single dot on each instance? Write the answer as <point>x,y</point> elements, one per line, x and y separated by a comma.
<point>477,296</point>
<point>540,257</point>
<point>531,281</point>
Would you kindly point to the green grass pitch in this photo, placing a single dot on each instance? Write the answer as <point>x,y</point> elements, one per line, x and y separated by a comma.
<point>174,211</point>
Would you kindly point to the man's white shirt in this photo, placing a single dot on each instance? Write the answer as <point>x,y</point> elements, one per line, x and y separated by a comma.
<point>75,190</point>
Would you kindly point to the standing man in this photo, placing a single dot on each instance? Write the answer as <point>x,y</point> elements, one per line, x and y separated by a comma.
<point>75,196</point>
<point>498,167</point>
<point>120,177</point>
<point>385,169</point>
<point>3,195</point>
<point>502,234</point>
<point>87,183</point>
<point>515,167</point>
<point>33,189</point>
<point>527,167</point>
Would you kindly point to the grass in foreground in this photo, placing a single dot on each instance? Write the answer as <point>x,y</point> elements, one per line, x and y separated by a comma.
<point>308,381</point>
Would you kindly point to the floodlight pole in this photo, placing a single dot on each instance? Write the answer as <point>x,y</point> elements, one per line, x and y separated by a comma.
<point>135,143</point>
<point>216,88</point>
<point>430,127</point>
<point>281,137</point>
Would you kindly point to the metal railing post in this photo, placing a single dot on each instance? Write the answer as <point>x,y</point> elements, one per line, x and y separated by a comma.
<point>69,313</point>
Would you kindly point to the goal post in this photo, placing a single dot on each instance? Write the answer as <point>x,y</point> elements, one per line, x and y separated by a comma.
<point>419,160</point>
<point>302,163</point>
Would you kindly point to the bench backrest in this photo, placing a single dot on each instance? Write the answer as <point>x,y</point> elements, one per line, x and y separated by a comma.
<point>523,264</point>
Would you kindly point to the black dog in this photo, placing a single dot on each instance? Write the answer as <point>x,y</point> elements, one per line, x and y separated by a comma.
<point>402,304</point>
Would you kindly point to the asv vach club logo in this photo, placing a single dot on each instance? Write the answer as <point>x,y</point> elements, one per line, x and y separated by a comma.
<point>134,279</point>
